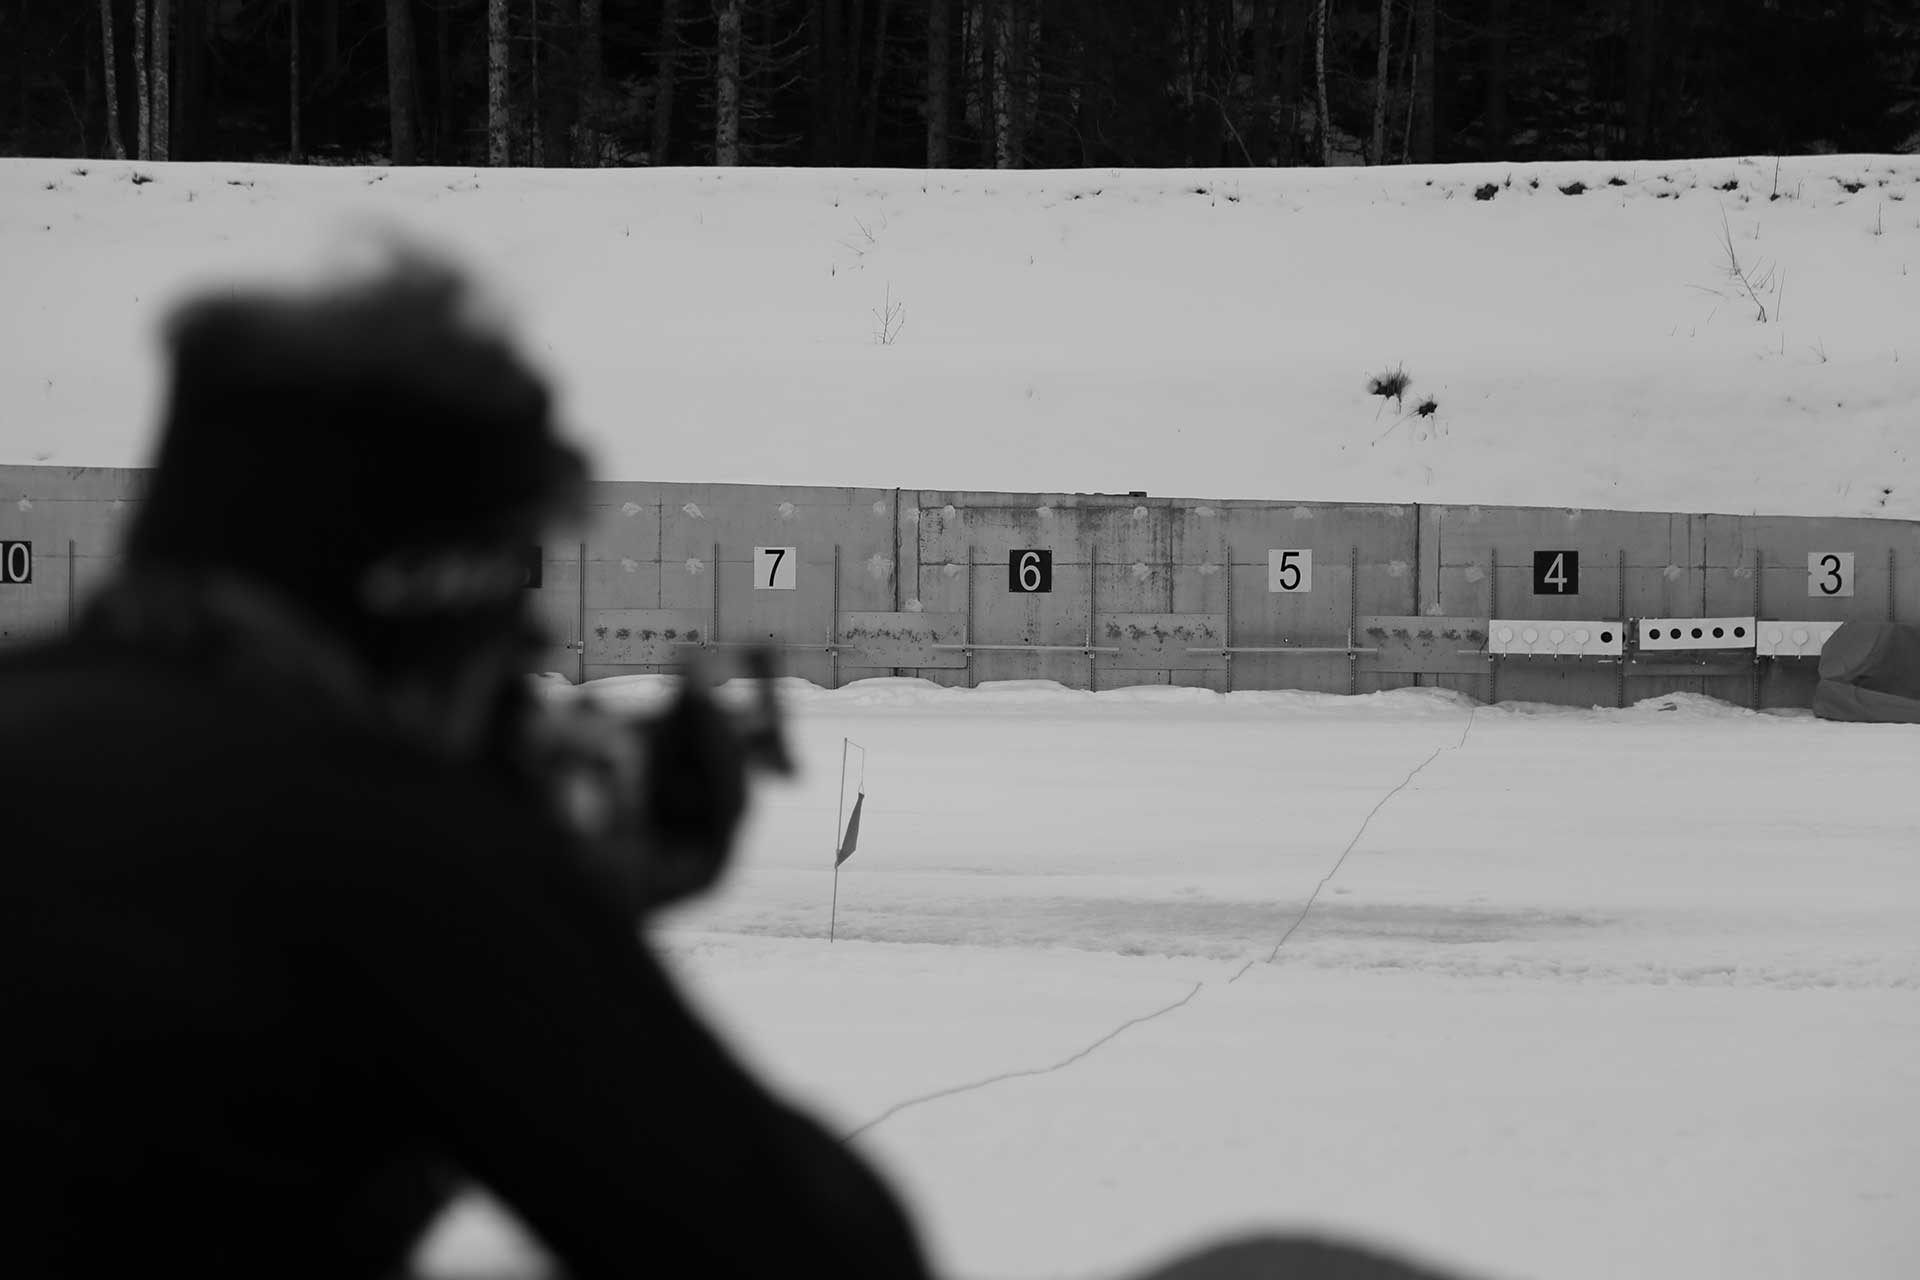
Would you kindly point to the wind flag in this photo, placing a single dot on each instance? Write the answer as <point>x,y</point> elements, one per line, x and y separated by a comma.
<point>852,837</point>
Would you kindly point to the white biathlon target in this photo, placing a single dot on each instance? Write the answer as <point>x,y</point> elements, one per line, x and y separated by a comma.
<point>1787,638</point>
<point>1695,633</point>
<point>1556,638</point>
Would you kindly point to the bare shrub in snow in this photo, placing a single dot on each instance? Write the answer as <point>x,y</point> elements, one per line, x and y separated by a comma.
<point>1752,281</point>
<point>888,320</point>
<point>1393,382</point>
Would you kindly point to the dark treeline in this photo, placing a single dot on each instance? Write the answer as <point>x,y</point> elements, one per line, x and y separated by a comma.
<point>961,83</point>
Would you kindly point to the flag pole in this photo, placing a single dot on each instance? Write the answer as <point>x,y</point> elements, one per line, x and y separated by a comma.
<point>833,915</point>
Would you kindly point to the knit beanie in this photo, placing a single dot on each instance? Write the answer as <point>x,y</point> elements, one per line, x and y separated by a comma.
<point>309,436</point>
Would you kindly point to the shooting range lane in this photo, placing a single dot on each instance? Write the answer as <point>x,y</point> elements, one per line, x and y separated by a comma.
<point>1546,995</point>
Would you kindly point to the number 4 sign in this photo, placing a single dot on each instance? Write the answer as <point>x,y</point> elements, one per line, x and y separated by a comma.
<point>776,568</point>
<point>1556,573</point>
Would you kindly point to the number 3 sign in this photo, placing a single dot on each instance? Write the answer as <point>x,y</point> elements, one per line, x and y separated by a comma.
<point>775,568</point>
<point>1830,573</point>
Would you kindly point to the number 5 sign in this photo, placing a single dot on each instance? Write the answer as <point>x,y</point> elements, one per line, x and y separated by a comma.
<point>776,568</point>
<point>1289,571</point>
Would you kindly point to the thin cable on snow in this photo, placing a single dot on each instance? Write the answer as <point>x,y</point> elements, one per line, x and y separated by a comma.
<point>1064,1063</point>
<point>898,1107</point>
<point>1339,861</point>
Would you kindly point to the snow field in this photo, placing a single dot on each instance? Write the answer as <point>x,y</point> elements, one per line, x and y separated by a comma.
<point>1598,993</point>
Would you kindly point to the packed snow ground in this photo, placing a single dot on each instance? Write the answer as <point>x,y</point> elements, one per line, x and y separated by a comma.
<point>1203,334</point>
<point>1595,994</point>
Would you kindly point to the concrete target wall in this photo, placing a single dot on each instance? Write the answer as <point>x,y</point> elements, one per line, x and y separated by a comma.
<point>1156,587</point>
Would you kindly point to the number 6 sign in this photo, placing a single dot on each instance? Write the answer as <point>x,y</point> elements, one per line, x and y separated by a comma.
<point>776,568</point>
<point>1030,572</point>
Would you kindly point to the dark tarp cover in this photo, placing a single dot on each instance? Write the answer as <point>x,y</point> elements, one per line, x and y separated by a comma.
<point>1870,672</point>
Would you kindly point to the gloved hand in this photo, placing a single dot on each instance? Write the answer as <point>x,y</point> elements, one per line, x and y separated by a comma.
<point>659,801</point>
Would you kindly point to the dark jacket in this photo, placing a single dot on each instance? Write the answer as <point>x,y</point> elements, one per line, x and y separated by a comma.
<point>266,969</point>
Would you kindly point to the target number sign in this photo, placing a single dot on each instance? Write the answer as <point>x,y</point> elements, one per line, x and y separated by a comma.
<point>1289,571</point>
<point>776,568</point>
<point>1556,573</point>
<point>1030,573</point>
<point>16,563</point>
<point>1829,573</point>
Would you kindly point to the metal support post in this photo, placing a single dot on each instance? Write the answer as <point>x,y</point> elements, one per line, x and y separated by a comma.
<point>1493,611</point>
<point>833,626</point>
<point>1758,670</point>
<point>72,563</point>
<point>1093,588</point>
<point>580,600</point>
<point>1353,619</point>
<point>1229,632</point>
<point>967,636</point>
<point>1620,588</point>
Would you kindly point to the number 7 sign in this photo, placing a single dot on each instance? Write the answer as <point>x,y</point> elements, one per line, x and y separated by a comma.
<point>776,568</point>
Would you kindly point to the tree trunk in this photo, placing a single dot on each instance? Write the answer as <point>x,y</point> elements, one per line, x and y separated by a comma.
<point>499,124</point>
<point>1495,135</point>
<point>1000,83</point>
<point>1642,38</point>
<point>939,88</point>
<point>726,97</point>
<point>589,105</point>
<point>832,75</point>
<point>1013,85</point>
<point>536,140</point>
<point>1260,127</point>
<point>400,114</point>
<point>187,85</point>
<point>874,76</point>
<point>561,104</point>
<point>142,95</point>
<point>442,83</point>
<point>663,77</point>
<point>114,140</point>
<point>1412,60</point>
<point>1320,80</point>
<point>1295,24</point>
<point>327,88</point>
<point>563,81</point>
<point>296,154</point>
<point>1381,82</point>
<point>1426,122</point>
<point>162,78</point>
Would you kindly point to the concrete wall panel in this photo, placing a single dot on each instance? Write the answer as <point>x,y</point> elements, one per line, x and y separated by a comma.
<point>1383,538</point>
<point>652,546</point>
